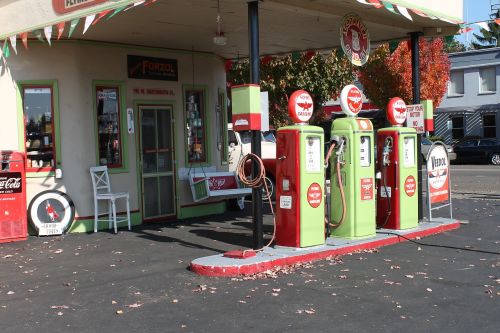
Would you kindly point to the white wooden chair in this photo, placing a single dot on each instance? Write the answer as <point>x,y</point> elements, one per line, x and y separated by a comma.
<point>102,191</point>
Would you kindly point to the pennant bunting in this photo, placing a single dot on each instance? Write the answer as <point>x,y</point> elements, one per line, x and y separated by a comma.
<point>24,39</point>
<point>465,30</point>
<point>404,12</point>
<point>117,10</point>
<point>88,21</point>
<point>135,4</point>
<point>375,3</point>
<point>5,49</point>
<point>497,21</point>
<point>38,35</point>
<point>389,7</point>
<point>13,43</point>
<point>60,29</point>
<point>100,16</point>
<point>419,13</point>
<point>72,26</point>
<point>483,25</point>
<point>150,2</point>
<point>48,33</point>
<point>364,2</point>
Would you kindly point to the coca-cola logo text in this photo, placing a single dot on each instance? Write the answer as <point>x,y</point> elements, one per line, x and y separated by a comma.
<point>10,183</point>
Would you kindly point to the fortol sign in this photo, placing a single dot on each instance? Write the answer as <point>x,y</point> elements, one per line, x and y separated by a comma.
<point>300,106</point>
<point>66,6</point>
<point>355,39</point>
<point>438,174</point>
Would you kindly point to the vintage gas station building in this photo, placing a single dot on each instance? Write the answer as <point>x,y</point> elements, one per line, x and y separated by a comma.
<point>140,86</point>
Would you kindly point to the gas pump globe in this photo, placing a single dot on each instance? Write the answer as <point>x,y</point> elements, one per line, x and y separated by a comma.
<point>300,177</point>
<point>397,199</point>
<point>352,178</point>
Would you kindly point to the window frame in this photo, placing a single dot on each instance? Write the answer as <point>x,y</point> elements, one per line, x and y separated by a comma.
<point>457,128</point>
<point>205,121</point>
<point>55,123</point>
<point>487,92</point>
<point>489,126</point>
<point>222,123</point>
<point>123,135</point>
<point>456,94</point>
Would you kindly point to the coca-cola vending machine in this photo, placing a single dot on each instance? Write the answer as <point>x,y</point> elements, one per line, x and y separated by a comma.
<point>13,216</point>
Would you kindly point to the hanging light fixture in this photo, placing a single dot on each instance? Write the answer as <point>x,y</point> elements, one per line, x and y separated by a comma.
<point>219,38</point>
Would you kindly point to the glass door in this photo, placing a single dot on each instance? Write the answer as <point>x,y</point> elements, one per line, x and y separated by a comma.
<point>157,161</point>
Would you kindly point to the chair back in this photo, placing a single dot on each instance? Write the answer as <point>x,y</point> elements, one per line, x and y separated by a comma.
<point>100,179</point>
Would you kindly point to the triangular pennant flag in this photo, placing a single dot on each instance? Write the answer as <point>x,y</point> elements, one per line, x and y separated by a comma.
<point>465,30</point>
<point>24,39</point>
<point>72,26</point>
<point>60,29</point>
<point>38,34</point>
<point>13,43</point>
<point>48,33</point>
<point>117,10</point>
<point>497,21</point>
<point>150,2</point>
<point>389,7</point>
<point>135,4</point>
<point>364,2</point>
<point>404,12</point>
<point>483,25</point>
<point>419,13</point>
<point>88,21</point>
<point>375,3</point>
<point>6,50</point>
<point>100,16</point>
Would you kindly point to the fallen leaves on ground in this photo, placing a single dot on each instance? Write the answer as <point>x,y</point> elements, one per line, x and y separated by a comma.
<point>309,311</point>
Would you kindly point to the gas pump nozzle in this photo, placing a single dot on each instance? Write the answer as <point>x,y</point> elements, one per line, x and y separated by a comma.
<point>385,153</point>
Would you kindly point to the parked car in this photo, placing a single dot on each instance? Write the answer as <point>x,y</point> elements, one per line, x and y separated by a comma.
<point>478,151</point>
<point>240,145</point>
<point>426,145</point>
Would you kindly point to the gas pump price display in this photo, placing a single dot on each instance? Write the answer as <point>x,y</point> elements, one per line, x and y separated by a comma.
<point>300,106</point>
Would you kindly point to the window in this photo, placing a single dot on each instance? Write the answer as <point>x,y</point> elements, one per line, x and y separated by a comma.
<point>232,138</point>
<point>487,80</point>
<point>457,127</point>
<point>456,86</point>
<point>468,143</point>
<point>489,126</point>
<point>487,143</point>
<point>40,136</point>
<point>194,106</point>
<point>109,115</point>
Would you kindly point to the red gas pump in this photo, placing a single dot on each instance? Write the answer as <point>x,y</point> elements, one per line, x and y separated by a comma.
<point>397,204</point>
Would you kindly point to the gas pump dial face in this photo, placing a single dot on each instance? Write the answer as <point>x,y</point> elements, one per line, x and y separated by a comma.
<point>396,111</point>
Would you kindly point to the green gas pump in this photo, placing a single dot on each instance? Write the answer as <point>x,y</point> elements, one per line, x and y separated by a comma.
<point>352,173</point>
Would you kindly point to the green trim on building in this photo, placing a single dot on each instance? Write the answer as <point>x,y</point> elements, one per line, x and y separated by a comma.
<point>123,122</point>
<point>221,94</point>
<point>202,210</point>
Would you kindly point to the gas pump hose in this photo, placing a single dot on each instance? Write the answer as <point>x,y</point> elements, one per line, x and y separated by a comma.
<point>256,182</point>
<point>341,187</point>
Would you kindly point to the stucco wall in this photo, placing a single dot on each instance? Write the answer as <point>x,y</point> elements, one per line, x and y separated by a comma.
<point>75,65</point>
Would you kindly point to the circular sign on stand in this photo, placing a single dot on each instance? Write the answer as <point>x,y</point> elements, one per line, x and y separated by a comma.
<point>354,39</point>
<point>51,212</point>
<point>396,111</point>
<point>351,100</point>
<point>300,106</point>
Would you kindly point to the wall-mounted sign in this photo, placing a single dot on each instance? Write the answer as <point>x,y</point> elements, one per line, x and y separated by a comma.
<point>66,6</point>
<point>51,212</point>
<point>355,39</point>
<point>415,117</point>
<point>153,91</point>
<point>149,68</point>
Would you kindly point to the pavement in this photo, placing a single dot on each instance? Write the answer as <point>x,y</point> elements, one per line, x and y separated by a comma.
<point>139,281</point>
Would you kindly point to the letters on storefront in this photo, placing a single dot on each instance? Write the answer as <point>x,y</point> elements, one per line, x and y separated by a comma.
<point>149,68</point>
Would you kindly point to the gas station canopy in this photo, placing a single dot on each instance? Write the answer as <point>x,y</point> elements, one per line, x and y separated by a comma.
<point>285,25</point>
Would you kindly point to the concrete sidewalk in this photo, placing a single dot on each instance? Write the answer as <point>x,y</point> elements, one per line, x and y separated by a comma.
<point>139,281</point>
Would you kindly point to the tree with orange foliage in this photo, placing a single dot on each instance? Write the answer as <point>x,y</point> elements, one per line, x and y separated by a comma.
<point>389,75</point>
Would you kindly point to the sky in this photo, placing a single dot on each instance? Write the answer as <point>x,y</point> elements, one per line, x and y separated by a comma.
<point>476,10</point>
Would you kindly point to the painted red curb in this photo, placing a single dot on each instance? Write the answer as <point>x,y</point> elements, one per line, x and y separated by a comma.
<point>254,268</point>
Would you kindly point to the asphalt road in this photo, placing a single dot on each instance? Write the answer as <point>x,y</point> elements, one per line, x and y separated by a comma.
<point>138,281</point>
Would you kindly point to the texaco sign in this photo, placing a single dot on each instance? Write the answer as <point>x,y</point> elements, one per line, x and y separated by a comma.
<point>355,39</point>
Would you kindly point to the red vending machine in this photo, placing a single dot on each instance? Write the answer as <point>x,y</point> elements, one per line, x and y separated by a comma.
<point>13,216</point>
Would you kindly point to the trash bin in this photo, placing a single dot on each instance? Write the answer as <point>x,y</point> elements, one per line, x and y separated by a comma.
<point>13,216</point>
